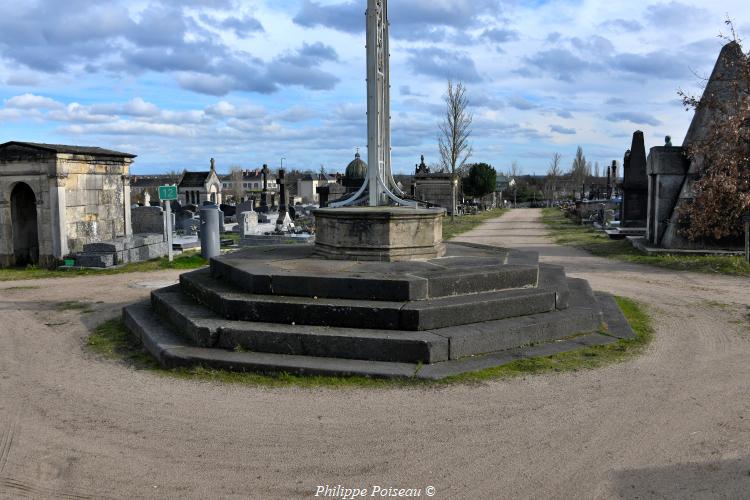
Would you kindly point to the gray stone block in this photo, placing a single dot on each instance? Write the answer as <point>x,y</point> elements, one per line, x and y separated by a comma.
<point>190,319</point>
<point>91,259</point>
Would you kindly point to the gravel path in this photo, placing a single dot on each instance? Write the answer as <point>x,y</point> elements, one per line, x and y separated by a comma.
<point>674,422</point>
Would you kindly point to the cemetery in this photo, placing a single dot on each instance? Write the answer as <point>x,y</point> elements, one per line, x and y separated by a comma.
<point>239,319</point>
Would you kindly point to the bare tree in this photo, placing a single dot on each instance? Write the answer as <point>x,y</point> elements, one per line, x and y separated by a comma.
<point>553,174</point>
<point>236,176</point>
<point>580,169</point>
<point>455,130</point>
<point>173,176</point>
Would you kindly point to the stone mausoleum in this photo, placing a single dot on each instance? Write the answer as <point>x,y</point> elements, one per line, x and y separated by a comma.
<point>54,199</point>
<point>195,188</point>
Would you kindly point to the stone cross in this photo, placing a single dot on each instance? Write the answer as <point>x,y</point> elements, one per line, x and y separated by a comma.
<point>282,200</point>
<point>265,173</point>
<point>379,181</point>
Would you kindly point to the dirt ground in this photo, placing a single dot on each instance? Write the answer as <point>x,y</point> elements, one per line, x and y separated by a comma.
<point>671,423</point>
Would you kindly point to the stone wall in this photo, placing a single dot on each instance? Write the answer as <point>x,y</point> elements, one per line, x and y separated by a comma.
<point>95,203</point>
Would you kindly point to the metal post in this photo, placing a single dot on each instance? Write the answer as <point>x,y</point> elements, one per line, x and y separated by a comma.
<point>746,219</point>
<point>209,232</point>
<point>169,230</point>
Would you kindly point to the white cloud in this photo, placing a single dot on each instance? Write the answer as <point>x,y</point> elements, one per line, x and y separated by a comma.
<point>32,101</point>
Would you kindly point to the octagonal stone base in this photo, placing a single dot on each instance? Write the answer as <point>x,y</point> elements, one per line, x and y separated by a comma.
<point>386,234</point>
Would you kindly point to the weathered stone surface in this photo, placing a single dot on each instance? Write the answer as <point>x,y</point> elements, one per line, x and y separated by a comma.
<point>634,207</point>
<point>379,233</point>
<point>147,220</point>
<point>667,167</point>
<point>91,259</point>
<point>296,271</point>
<point>385,337</point>
<point>248,223</point>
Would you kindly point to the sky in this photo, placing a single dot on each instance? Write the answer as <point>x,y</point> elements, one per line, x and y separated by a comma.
<point>249,82</point>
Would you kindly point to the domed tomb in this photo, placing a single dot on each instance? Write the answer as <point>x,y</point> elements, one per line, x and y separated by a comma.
<point>355,174</point>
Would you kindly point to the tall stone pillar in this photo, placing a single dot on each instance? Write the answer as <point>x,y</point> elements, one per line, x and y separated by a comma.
<point>7,257</point>
<point>58,204</point>
<point>126,205</point>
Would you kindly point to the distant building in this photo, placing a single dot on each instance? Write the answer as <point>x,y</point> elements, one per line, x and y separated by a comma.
<point>308,184</point>
<point>196,187</point>
<point>141,184</point>
<point>251,181</point>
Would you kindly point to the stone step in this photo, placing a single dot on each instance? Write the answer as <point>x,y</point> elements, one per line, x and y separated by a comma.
<point>206,329</point>
<point>230,303</point>
<point>171,351</point>
<point>295,272</point>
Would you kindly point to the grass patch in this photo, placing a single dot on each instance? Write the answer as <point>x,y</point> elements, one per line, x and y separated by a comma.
<point>464,223</point>
<point>581,359</point>
<point>566,232</point>
<point>74,305</point>
<point>189,260</point>
<point>113,341</point>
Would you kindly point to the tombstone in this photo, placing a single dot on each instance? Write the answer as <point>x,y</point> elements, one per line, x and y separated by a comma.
<point>186,221</point>
<point>146,199</point>
<point>634,208</point>
<point>263,208</point>
<point>284,224</point>
<point>248,223</point>
<point>666,168</point>
<point>322,196</point>
<point>147,220</point>
<point>229,210</point>
<point>282,202</point>
<point>245,206</point>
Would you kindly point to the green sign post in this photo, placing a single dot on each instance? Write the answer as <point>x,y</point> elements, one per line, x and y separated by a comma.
<point>167,194</point>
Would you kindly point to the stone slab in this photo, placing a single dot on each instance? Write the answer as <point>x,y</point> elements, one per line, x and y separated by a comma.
<point>231,303</point>
<point>173,352</point>
<point>614,319</point>
<point>94,259</point>
<point>189,318</point>
<point>295,271</point>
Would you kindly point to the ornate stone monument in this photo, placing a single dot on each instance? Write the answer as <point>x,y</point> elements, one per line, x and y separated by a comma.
<point>380,231</point>
<point>634,185</point>
<point>346,306</point>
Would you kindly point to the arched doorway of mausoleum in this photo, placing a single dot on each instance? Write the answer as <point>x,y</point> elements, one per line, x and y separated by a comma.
<point>24,223</point>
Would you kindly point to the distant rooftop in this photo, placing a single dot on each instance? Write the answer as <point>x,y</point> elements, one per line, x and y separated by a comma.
<point>194,179</point>
<point>73,150</point>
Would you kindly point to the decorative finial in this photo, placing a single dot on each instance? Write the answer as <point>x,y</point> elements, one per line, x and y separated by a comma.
<point>356,155</point>
<point>213,164</point>
<point>668,141</point>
